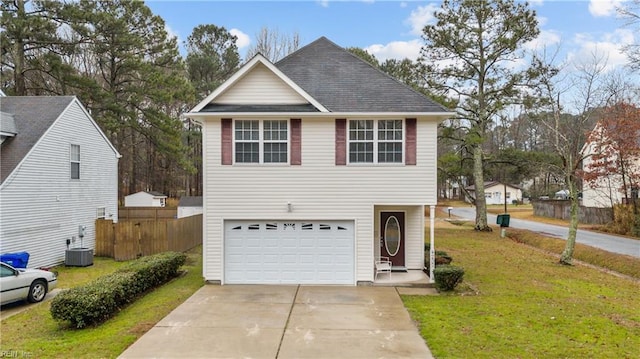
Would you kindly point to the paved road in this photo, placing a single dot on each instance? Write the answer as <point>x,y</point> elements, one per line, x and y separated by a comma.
<point>607,242</point>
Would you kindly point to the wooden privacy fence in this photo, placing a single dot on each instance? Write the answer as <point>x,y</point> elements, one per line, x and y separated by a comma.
<point>130,239</point>
<point>147,213</point>
<point>561,209</point>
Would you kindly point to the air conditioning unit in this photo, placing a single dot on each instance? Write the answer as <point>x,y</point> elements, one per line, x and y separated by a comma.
<point>78,257</point>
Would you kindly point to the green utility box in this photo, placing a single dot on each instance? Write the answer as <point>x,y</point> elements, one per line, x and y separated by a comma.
<point>503,220</point>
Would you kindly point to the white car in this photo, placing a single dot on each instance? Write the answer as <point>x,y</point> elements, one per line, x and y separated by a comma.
<point>19,284</point>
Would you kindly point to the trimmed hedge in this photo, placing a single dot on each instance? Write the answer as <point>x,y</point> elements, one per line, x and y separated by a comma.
<point>447,277</point>
<point>102,298</point>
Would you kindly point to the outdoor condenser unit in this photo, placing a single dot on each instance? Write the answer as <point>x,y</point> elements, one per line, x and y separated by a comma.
<point>78,257</point>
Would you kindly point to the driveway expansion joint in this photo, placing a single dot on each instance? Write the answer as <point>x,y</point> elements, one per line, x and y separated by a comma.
<point>286,324</point>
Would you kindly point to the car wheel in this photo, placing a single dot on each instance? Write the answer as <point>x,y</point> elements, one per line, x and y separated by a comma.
<point>37,291</point>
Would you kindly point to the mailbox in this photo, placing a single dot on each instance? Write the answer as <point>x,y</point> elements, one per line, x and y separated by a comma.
<point>503,220</point>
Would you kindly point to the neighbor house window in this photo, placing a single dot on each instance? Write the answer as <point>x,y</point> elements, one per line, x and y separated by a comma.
<point>508,194</point>
<point>75,161</point>
<point>376,141</point>
<point>264,141</point>
<point>101,212</point>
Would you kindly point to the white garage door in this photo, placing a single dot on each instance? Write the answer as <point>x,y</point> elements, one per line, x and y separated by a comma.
<point>289,252</point>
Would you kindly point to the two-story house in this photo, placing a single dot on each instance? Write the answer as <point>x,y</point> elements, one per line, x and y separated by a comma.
<point>59,173</point>
<point>314,167</point>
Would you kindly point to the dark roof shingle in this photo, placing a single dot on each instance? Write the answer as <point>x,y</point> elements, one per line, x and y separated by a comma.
<point>33,115</point>
<point>342,82</point>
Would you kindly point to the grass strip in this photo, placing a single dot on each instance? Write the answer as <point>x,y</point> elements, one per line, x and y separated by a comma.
<point>518,302</point>
<point>34,333</point>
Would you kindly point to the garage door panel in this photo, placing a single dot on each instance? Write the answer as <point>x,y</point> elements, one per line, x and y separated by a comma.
<point>294,252</point>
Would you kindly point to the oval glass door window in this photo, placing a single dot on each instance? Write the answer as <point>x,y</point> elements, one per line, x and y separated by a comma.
<point>392,235</point>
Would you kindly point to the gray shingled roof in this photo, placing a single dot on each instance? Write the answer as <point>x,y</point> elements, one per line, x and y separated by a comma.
<point>33,115</point>
<point>342,82</point>
<point>190,201</point>
<point>156,194</point>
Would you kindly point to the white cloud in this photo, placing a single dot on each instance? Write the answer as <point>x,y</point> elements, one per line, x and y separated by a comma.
<point>171,33</point>
<point>536,2</point>
<point>243,39</point>
<point>600,8</point>
<point>545,38</point>
<point>420,17</point>
<point>542,20</point>
<point>403,4</point>
<point>323,3</point>
<point>609,45</point>
<point>396,50</point>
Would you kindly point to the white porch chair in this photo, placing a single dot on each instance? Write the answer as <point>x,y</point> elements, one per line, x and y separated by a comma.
<point>383,265</point>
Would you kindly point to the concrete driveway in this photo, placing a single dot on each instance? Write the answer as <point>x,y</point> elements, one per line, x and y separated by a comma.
<point>255,321</point>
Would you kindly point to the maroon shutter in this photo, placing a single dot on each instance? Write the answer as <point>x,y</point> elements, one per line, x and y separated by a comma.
<point>410,142</point>
<point>296,144</point>
<point>227,141</point>
<point>341,142</point>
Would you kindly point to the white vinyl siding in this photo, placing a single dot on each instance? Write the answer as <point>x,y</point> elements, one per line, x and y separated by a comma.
<point>41,208</point>
<point>260,86</point>
<point>144,199</point>
<point>318,189</point>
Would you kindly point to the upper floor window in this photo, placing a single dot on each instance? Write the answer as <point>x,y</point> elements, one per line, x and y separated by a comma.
<point>261,141</point>
<point>75,161</point>
<point>376,141</point>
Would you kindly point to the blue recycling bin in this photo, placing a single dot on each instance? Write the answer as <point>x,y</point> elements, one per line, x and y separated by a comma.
<point>16,260</point>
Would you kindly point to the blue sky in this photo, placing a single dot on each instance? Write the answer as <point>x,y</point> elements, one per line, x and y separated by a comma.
<point>391,29</point>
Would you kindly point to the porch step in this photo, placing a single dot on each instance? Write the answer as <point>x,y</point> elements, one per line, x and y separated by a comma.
<point>406,279</point>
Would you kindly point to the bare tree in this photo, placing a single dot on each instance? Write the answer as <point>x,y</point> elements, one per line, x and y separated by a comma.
<point>584,91</point>
<point>273,44</point>
<point>630,13</point>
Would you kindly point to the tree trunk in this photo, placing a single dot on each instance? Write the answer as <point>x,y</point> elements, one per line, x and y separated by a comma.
<point>481,201</point>
<point>18,50</point>
<point>567,255</point>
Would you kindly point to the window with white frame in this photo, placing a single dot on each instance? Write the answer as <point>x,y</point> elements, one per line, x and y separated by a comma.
<point>101,212</point>
<point>376,141</point>
<point>261,141</point>
<point>74,154</point>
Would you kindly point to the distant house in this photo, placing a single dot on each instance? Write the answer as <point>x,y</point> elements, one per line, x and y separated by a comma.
<point>495,193</point>
<point>189,206</point>
<point>314,167</point>
<point>59,173</point>
<point>145,199</point>
<point>607,191</point>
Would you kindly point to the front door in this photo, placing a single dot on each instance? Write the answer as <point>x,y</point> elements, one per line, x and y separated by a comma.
<point>392,237</point>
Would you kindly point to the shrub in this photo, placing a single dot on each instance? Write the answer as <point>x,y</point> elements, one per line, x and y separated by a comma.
<point>102,298</point>
<point>441,257</point>
<point>447,277</point>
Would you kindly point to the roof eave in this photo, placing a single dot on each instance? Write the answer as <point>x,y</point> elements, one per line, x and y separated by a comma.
<point>441,116</point>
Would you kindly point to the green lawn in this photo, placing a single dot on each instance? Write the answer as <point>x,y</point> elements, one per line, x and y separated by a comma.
<point>34,333</point>
<point>517,302</point>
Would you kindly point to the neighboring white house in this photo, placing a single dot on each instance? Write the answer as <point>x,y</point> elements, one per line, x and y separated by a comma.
<point>145,199</point>
<point>313,168</point>
<point>189,206</point>
<point>606,191</point>
<point>495,193</point>
<point>59,173</point>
